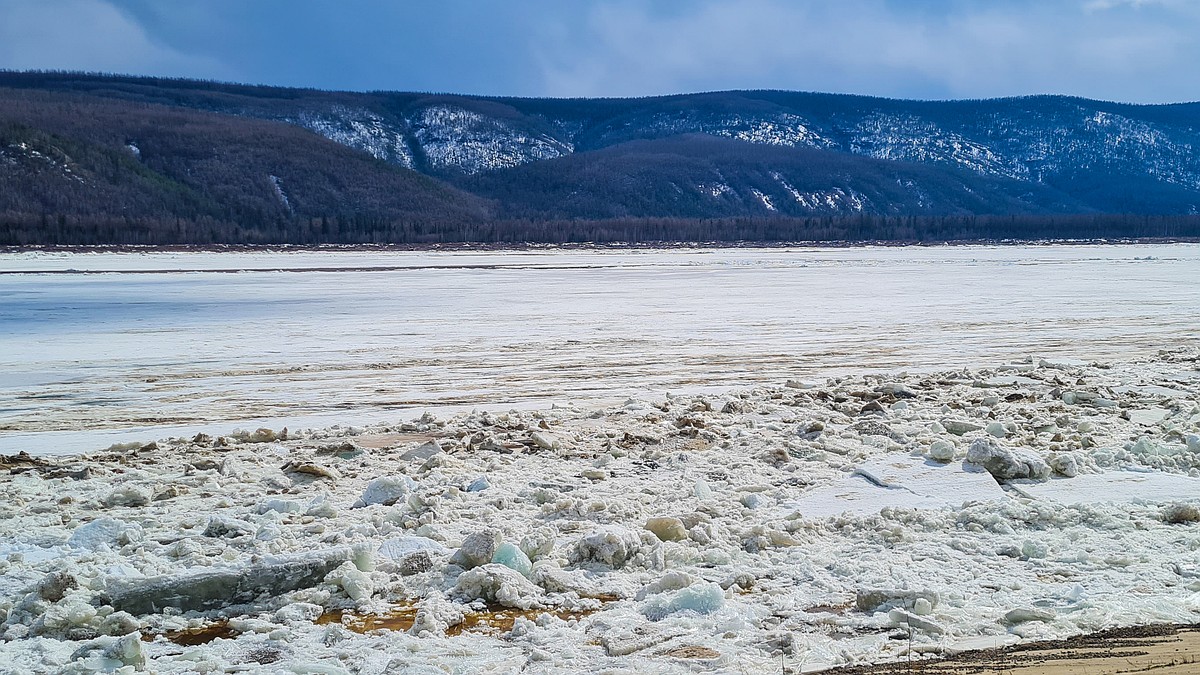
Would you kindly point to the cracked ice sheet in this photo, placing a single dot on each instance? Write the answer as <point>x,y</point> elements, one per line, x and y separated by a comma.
<point>1138,487</point>
<point>899,481</point>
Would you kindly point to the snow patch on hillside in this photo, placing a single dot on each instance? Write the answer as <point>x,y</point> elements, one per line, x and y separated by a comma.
<point>360,129</point>
<point>907,138</point>
<point>788,186</point>
<point>1129,140</point>
<point>836,199</point>
<point>765,199</point>
<point>279,193</point>
<point>53,160</point>
<point>783,129</point>
<point>456,138</point>
<point>715,189</point>
<point>1051,143</point>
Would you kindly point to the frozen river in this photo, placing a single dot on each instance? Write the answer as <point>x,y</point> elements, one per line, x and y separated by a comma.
<point>103,347</point>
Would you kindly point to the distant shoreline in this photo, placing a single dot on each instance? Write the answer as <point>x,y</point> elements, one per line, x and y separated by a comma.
<point>576,246</point>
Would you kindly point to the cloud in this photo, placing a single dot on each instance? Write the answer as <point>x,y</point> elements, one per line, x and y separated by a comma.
<point>947,49</point>
<point>1102,5</point>
<point>1131,50</point>
<point>89,35</point>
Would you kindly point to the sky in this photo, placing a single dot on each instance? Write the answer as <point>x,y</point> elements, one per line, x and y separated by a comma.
<point>1145,51</point>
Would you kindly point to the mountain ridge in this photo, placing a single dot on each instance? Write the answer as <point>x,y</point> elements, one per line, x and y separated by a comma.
<point>480,160</point>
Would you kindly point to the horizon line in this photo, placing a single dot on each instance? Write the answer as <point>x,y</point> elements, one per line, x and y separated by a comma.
<point>229,83</point>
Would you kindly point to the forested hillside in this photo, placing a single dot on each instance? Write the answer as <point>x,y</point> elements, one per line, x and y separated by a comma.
<point>100,159</point>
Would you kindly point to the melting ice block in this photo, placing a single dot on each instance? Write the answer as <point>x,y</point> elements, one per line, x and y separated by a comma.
<point>704,598</point>
<point>513,558</point>
<point>899,481</point>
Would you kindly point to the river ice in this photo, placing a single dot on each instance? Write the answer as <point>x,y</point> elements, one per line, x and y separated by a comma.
<point>785,509</point>
<point>100,348</point>
<point>800,527</point>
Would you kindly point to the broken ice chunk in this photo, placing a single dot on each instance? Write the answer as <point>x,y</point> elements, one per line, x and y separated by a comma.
<point>671,581</point>
<point>281,506</point>
<point>941,450</point>
<point>539,543</point>
<point>1005,463</point>
<point>127,495</point>
<point>108,653</point>
<point>1150,447</point>
<point>1027,614</point>
<point>702,598</point>
<point>386,490</point>
<point>402,547</point>
<point>210,588</point>
<point>873,600</point>
<point>422,452</point>
<point>611,545</point>
<point>906,619</point>
<point>105,532</point>
<point>499,584</point>
<point>960,427</point>
<point>545,441</point>
<point>667,529</point>
<point>513,558</point>
<point>352,580</point>
<point>221,525</point>
<point>1065,464</point>
<point>1147,417</point>
<point>477,549</point>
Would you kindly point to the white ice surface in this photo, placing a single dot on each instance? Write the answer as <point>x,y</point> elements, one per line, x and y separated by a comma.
<point>1113,487</point>
<point>899,481</point>
<point>200,341</point>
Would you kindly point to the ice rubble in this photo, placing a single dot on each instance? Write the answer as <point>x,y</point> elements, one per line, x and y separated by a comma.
<point>841,522</point>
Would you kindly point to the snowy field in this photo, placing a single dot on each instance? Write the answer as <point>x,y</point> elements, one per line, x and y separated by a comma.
<point>174,343</point>
<point>866,455</point>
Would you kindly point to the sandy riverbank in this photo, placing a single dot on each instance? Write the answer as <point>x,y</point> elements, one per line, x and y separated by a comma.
<point>1159,649</point>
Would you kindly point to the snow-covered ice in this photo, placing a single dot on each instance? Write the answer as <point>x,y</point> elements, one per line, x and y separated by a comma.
<point>808,524</point>
<point>99,348</point>
<point>899,481</point>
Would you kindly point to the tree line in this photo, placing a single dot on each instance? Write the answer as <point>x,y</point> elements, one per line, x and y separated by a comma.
<point>24,230</point>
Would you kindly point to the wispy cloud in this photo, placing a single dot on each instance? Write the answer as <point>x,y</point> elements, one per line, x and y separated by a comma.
<point>1102,5</point>
<point>1133,50</point>
<point>949,49</point>
<point>89,35</point>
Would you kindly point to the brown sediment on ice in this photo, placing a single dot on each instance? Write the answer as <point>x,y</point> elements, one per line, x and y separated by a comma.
<point>1159,649</point>
<point>490,620</point>
<point>20,462</point>
<point>493,619</point>
<point>194,637</point>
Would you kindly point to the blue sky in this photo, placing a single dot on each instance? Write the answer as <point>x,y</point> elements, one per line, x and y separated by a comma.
<point>1130,50</point>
